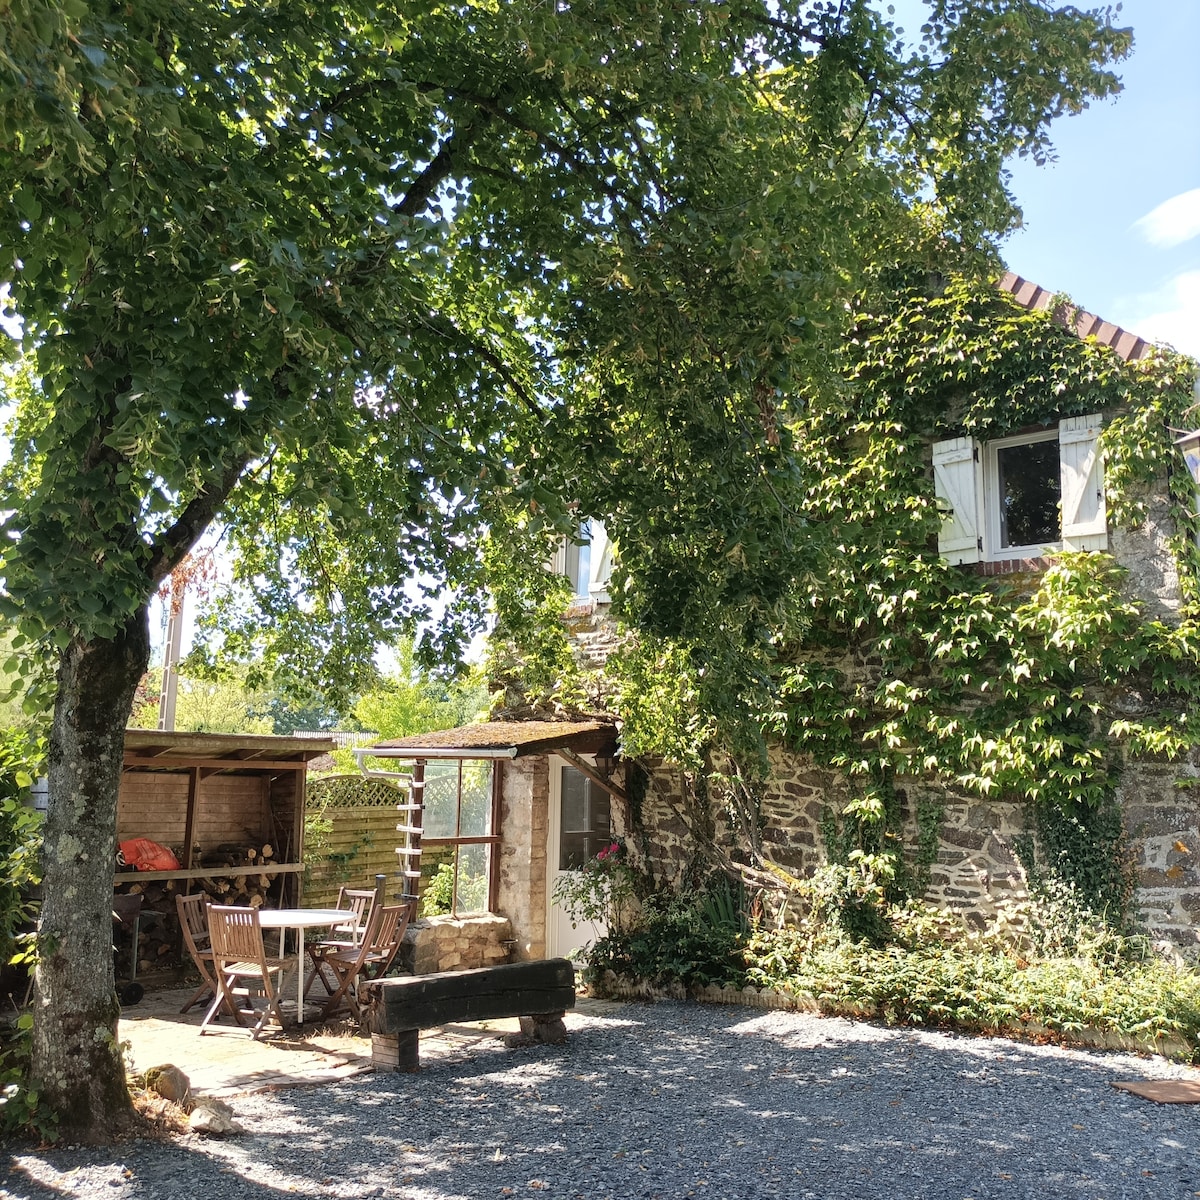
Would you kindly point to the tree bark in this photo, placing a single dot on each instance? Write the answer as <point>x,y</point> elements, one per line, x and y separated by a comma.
<point>77,1064</point>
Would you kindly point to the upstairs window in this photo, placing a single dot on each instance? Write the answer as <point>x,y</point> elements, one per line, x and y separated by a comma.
<point>1017,497</point>
<point>577,561</point>
<point>587,562</point>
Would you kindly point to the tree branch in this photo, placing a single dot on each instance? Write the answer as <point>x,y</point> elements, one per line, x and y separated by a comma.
<point>172,547</point>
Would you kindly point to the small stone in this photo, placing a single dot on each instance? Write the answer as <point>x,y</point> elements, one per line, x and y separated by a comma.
<point>213,1117</point>
<point>169,1082</point>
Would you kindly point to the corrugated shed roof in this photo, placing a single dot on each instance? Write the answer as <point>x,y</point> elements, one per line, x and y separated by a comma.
<point>1037,299</point>
<point>525,737</point>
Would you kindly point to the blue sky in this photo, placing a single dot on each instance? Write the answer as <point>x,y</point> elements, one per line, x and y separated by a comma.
<point>1115,222</point>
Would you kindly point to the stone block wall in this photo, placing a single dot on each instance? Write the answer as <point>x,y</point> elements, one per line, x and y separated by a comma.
<point>435,944</point>
<point>976,872</point>
<point>521,885</point>
<point>1160,803</point>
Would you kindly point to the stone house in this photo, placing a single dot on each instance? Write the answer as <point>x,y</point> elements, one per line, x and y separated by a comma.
<point>558,792</point>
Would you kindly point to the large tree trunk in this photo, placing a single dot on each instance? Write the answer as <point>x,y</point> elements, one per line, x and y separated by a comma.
<point>77,1065</point>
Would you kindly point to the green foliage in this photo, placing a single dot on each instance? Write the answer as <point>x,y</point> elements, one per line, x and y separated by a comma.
<point>20,840</point>
<point>21,1111</point>
<point>409,699</point>
<point>695,938</point>
<point>437,896</point>
<point>601,892</point>
<point>1083,849</point>
<point>1046,968</point>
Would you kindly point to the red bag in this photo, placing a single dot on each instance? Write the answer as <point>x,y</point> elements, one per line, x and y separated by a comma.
<point>144,855</point>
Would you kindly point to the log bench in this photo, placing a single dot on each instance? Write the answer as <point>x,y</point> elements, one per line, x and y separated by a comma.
<point>538,992</point>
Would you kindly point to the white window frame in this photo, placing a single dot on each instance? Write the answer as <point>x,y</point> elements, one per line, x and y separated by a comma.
<point>994,529</point>
<point>966,482</point>
<point>600,562</point>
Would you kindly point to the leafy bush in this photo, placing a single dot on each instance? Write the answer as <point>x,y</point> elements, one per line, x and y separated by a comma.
<point>696,939</point>
<point>20,838</point>
<point>601,892</point>
<point>437,897</point>
<point>1043,964</point>
<point>20,844</point>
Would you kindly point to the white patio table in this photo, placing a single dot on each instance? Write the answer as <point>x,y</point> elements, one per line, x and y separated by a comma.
<point>301,919</point>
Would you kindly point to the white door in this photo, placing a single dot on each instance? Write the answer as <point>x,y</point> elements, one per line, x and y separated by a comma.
<point>579,828</point>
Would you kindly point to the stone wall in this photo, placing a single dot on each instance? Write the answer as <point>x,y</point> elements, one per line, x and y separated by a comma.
<point>976,871</point>
<point>521,885</point>
<point>435,944</point>
<point>1145,553</point>
<point>1161,807</point>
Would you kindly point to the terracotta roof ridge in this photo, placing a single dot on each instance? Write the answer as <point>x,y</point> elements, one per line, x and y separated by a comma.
<point>1036,298</point>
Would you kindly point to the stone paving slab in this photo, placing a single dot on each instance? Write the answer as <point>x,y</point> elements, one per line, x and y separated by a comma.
<point>226,1061</point>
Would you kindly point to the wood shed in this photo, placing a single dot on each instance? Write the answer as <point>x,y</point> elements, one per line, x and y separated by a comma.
<point>230,807</point>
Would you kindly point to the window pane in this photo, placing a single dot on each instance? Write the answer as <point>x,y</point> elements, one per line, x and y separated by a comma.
<point>472,879</point>
<point>1030,493</point>
<point>574,802</point>
<point>476,799</point>
<point>441,798</point>
<point>585,826</point>
<point>578,563</point>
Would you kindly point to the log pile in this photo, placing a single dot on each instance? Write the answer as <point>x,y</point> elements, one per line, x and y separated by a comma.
<point>159,941</point>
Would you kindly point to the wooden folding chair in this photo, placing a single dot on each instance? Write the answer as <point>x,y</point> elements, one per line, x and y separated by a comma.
<point>361,902</point>
<point>385,931</point>
<point>241,967</point>
<point>193,923</point>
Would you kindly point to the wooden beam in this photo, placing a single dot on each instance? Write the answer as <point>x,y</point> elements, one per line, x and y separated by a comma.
<point>213,872</point>
<point>137,758</point>
<point>189,820</point>
<point>586,768</point>
<point>508,990</point>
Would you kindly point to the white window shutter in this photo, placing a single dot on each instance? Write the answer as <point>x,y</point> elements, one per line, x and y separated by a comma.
<point>1084,517</point>
<point>956,482</point>
<point>600,564</point>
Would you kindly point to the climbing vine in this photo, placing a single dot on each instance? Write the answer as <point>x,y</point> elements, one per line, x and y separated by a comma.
<point>1019,687</point>
<point>880,660</point>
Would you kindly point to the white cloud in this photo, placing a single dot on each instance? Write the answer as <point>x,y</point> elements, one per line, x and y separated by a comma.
<point>1169,315</point>
<point>1173,222</point>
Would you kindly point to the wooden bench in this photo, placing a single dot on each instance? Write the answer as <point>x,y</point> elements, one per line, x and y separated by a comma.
<point>397,1009</point>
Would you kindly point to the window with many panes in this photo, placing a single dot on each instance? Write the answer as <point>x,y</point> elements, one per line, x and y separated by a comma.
<point>459,828</point>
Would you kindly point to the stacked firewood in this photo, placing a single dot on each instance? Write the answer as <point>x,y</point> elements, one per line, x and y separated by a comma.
<point>247,891</point>
<point>159,943</point>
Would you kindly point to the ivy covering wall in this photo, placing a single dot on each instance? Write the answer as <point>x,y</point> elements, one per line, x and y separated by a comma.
<point>880,660</point>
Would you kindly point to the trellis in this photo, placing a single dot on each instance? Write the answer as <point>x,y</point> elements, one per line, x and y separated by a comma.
<point>361,839</point>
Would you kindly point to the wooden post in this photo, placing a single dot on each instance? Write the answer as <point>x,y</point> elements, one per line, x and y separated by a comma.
<point>397,1051</point>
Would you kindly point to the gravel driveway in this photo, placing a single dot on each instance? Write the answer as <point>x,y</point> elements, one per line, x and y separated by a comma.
<point>678,1100</point>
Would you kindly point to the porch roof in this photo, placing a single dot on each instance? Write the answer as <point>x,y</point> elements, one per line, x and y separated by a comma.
<point>501,739</point>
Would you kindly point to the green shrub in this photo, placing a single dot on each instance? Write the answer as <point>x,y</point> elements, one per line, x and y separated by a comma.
<point>20,845</point>
<point>1033,968</point>
<point>695,939</point>
<point>20,840</point>
<point>437,897</point>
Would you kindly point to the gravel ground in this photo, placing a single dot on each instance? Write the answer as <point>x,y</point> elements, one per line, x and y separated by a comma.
<point>677,1100</point>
